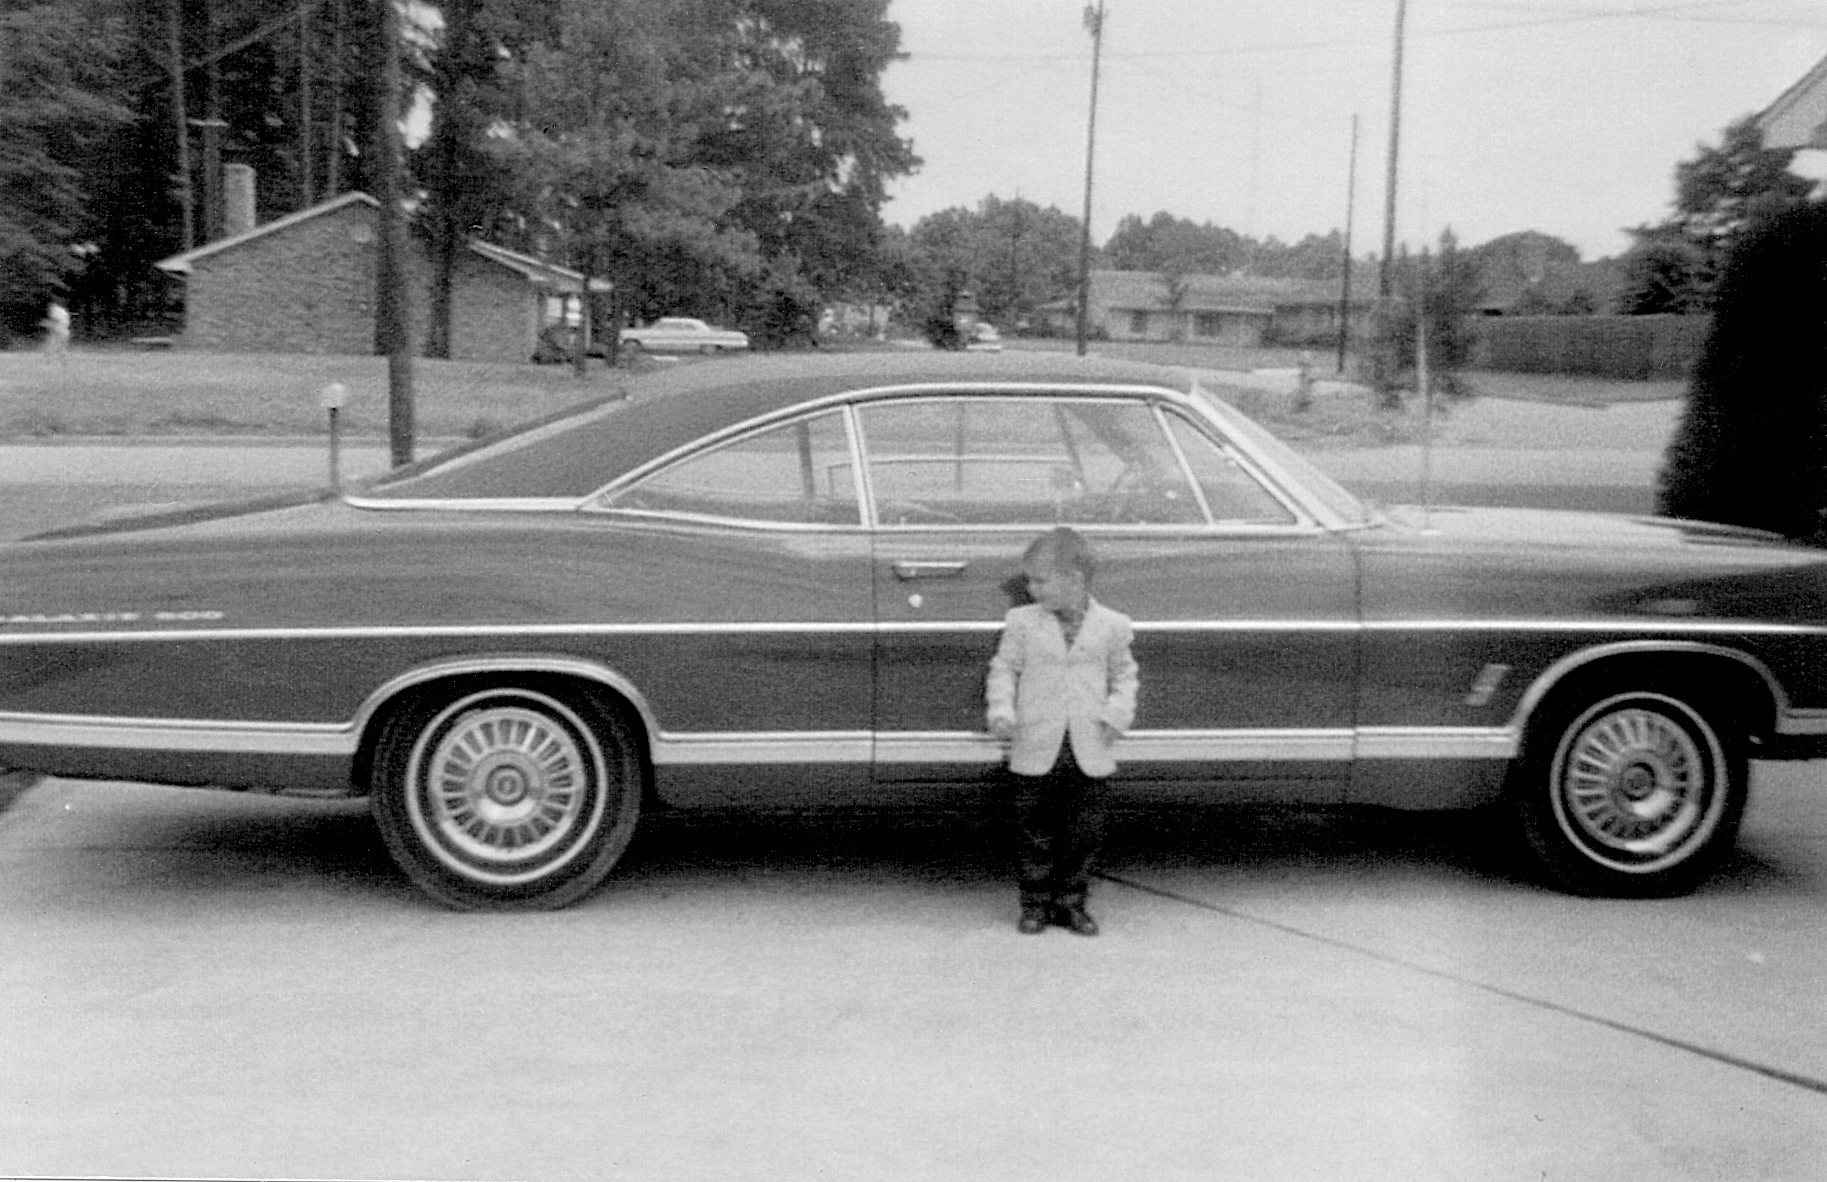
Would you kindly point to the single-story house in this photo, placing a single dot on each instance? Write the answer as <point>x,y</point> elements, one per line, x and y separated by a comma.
<point>305,283</point>
<point>1235,310</point>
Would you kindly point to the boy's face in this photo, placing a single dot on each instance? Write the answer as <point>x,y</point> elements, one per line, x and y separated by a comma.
<point>1056,588</point>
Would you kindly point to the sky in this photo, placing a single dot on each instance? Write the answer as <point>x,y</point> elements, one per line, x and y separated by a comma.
<point>1562,116</point>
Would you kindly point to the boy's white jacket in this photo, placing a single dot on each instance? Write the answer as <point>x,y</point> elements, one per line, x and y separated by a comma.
<point>1053,693</point>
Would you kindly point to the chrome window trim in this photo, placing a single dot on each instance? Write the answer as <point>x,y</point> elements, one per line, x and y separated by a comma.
<point>1194,407</point>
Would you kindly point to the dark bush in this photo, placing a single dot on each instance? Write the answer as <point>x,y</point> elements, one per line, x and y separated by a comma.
<point>1751,447</point>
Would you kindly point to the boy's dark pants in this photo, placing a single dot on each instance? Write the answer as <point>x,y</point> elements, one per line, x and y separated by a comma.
<point>1059,829</point>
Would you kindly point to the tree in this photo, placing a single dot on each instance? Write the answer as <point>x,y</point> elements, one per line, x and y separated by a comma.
<point>605,152</point>
<point>1751,447</point>
<point>1013,256</point>
<point>464,185</point>
<point>1315,256</point>
<point>1168,244</point>
<point>1675,264</point>
<point>1443,290</point>
<point>817,144</point>
<point>60,97</point>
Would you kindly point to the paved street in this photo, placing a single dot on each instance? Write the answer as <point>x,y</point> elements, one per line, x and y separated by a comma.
<point>202,984</point>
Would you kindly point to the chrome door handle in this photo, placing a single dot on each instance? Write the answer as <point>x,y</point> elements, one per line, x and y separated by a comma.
<point>946,569</point>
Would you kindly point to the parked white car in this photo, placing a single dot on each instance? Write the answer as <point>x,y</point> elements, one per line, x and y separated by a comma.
<point>683,334</point>
<point>984,338</point>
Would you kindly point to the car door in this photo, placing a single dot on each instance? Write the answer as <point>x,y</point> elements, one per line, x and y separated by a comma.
<point>1245,609</point>
<point>759,669</point>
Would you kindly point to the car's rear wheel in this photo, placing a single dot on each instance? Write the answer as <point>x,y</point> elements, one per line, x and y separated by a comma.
<point>507,797</point>
<point>1630,792</point>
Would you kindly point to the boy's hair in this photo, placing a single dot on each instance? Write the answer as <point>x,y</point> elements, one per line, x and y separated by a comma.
<point>1063,548</point>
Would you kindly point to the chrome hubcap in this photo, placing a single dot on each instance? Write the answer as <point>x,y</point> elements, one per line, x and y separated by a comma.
<point>1635,783</point>
<point>506,792</point>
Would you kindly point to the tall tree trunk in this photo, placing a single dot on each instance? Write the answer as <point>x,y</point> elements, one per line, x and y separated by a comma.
<point>333,170</point>
<point>306,193</point>
<point>393,319</point>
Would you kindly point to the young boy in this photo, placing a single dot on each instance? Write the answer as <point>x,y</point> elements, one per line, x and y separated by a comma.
<point>1061,689</point>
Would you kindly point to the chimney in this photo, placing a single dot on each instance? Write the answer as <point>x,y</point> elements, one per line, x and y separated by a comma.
<point>237,199</point>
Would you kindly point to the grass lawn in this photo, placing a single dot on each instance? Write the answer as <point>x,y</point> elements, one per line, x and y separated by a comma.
<point>136,393</point>
<point>125,392</point>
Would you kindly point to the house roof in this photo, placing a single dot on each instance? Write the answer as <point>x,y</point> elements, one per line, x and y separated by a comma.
<point>1798,117</point>
<point>180,264</point>
<point>536,271</point>
<point>1211,293</point>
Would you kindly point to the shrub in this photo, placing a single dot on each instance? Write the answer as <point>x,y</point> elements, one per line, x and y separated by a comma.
<point>1751,446</point>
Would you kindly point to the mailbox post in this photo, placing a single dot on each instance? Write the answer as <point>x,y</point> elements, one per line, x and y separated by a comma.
<point>331,399</point>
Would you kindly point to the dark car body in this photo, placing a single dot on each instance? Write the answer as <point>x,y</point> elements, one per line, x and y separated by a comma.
<point>778,581</point>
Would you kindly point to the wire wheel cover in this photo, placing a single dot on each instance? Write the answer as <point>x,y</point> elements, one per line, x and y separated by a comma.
<point>506,793</point>
<point>1636,785</point>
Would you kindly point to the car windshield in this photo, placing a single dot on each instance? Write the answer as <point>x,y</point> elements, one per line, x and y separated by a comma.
<point>1295,467</point>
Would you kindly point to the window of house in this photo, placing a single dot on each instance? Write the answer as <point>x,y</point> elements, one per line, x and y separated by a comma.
<point>799,473</point>
<point>1138,323</point>
<point>1207,324</point>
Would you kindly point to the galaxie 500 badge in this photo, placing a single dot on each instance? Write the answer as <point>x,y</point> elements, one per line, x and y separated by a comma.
<point>162,617</point>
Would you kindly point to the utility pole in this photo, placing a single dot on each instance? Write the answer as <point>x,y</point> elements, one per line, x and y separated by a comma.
<point>1382,364</point>
<point>1395,140</point>
<point>1351,199</point>
<point>1094,21</point>
<point>393,322</point>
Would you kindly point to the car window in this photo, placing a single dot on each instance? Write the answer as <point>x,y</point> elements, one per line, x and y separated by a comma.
<point>798,473</point>
<point>1023,461</point>
<point>1231,492</point>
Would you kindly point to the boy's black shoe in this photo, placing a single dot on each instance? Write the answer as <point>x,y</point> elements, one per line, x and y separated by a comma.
<point>1033,921</point>
<point>1076,921</point>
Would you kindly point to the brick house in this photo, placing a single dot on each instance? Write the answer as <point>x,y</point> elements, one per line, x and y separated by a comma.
<point>304,283</point>
<point>1242,311</point>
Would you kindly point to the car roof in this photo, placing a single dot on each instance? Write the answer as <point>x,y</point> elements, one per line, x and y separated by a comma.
<point>581,449</point>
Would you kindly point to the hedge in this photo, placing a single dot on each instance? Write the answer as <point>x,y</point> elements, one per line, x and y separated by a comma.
<point>1624,347</point>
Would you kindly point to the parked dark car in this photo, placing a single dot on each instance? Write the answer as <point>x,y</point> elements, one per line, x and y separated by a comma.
<point>777,581</point>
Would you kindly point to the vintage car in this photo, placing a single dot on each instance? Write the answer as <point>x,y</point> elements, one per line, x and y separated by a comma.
<point>777,581</point>
<point>682,334</point>
<point>984,338</point>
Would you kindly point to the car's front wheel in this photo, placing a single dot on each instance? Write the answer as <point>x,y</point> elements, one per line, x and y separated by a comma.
<point>507,797</point>
<point>1631,792</point>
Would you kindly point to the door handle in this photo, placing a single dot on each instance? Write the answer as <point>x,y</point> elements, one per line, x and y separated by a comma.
<point>942,569</point>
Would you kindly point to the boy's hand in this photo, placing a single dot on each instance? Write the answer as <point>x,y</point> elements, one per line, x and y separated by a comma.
<point>1003,727</point>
